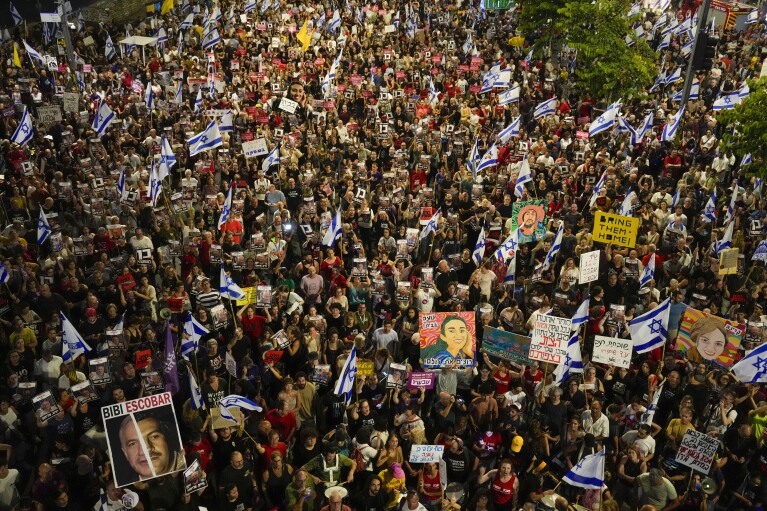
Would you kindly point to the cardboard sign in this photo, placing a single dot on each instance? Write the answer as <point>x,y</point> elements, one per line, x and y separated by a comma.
<point>589,267</point>
<point>420,380</point>
<point>426,453</point>
<point>728,261</point>
<point>612,350</point>
<point>550,336</point>
<point>448,339</point>
<point>130,426</point>
<point>288,105</point>
<point>697,451</point>
<point>506,345</point>
<point>254,148</point>
<point>706,339</point>
<point>250,296</point>
<point>48,114</point>
<point>71,102</point>
<point>365,367</point>
<point>615,229</point>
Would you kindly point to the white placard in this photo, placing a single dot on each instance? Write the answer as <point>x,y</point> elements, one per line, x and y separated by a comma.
<point>50,17</point>
<point>388,29</point>
<point>589,267</point>
<point>254,148</point>
<point>612,350</point>
<point>426,453</point>
<point>697,451</point>
<point>550,336</point>
<point>288,105</point>
<point>71,102</point>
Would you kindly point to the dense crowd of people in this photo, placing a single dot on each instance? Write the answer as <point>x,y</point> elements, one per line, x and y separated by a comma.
<point>387,141</point>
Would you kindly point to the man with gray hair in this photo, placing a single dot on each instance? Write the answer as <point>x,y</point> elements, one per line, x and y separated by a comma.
<point>655,490</point>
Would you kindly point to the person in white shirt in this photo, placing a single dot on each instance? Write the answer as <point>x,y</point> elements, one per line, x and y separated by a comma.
<point>642,439</point>
<point>138,241</point>
<point>48,367</point>
<point>595,422</point>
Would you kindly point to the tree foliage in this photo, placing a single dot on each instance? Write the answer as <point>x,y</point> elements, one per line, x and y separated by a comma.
<point>539,16</point>
<point>746,128</point>
<point>607,66</point>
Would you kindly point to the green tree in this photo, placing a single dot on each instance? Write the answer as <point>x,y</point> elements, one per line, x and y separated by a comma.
<point>607,66</point>
<point>746,128</point>
<point>539,16</point>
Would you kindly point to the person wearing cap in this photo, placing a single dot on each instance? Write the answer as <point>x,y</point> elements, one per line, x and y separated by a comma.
<point>393,482</point>
<point>655,489</point>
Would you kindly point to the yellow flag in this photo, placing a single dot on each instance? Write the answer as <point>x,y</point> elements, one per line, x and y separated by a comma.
<point>167,5</point>
<point>16,59</point>
<point>304,37</point>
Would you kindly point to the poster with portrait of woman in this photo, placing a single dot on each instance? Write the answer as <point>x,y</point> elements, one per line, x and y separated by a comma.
<point>448,339</point>
<point>530,218</point>
<point>709,339</point>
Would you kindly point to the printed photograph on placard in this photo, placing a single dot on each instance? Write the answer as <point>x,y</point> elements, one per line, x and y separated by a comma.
<point>84,392</point>
<point>194,478</point>
<point>264,296</point>
<point>321,374</point>
<point>360,268</point>
<point>45,405</point>
<point>530,218</point>
<point>152,381</point>
<point>427,278</point>
<point>281,340</point>
<point>99,371</point>
<point>397,377</point>
<point>115,340</point>
<point>448,339</point>
<point>220,316</point>
<point>709,339</point>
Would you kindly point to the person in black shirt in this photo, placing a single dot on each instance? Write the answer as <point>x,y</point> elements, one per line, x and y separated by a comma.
<point>372,498</point>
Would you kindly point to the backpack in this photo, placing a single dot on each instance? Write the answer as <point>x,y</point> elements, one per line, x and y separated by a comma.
<point>357,457</point>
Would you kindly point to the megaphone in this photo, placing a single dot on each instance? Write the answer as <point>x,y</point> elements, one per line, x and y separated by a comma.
<point>130,499</point>
<point>708,486</point>
<point>165,313</point>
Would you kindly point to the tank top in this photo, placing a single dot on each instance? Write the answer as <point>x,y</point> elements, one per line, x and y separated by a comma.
<point>503,492</point>
<point>275,486</point>
<point>632,469</point>
<point>431,487</point>
<point>502,383</point>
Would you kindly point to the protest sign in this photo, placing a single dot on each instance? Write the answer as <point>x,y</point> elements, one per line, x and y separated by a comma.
<point>530,218</point>
<point>615,229</point>
<point>250,296</point>
<point>448,339</point>
<point>136,427</point>
<point>697,451</point>
<point>612,350</point>
<point>194,478</point>
<point>48,114</point>
<point>506,345</point>
<point>143,358</point>
<point>760,254</point>
<point>152,381</point>
<point>704,338</point>
<point>254,148</point>
<point>321,374</point>
<point>365,367</point>
<point>273,356</point>
<point>84,392</point>
<point>397,376</point>
<point>99,371</point>
<point>420,380</point>
<point>45,405</point>
<point>589,267</point>
<point>550,336</point>
<point>263,296</point>
<point>71,102</point>
<point>426,453</point>
<point>281,340</point>
<point>728,261</point>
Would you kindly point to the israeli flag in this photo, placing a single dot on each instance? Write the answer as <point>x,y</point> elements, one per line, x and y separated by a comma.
<point>546,108</point>
<point>753,16</point>
<point>509,96</point>
<point>187,23</point>
<point>17,18</point>
<point>687,47</point>
<point>627,206</point>
<point>753,367</point>
<point>25,130</point>
<point>581,316</point>
<point>210,37</point>
<point>155,186</point>
<point>650,330</point>
<point>502,79</point>
<point>605,121</point>
<point>573,363</point>
<point>512,130</point>
<point>468,45</point>
<point>208,139</point>
<point>225,123</point>
<point>103,118</point>
<point>623,126</point>
<point>345,384</point>
<point>433,95</point>
<point>709,211</point>
<point>273,158</point>
<point>489,159</point>
<point>43,228</point>
<point>109,49</point>
<point>471,161</point>
<point>648,416</point>
<point>4,275</point>
<point>744,91</point>
<point>669,130</point>
<point>193,331</point>
<point>746,160</point>
<point>675,199</point>
<point>235,401</point>
<point>335,21</point>
<point>431,225</point>
<point>589,472</point>
<point>718,246</point>
<point>33,53</point>
<point>178,99</point>
<point>648,273</point>
<point>180,46</point>
<point>334,230</point>
<point>198,403</point>
<point>122,190</point>
<point>228,288</point>
<point>479,248</point>
<point>524,176</point>
<point>396,21</point>
<point>162,36</point>
<point>674,77</point>
<point>73,344</point>
<point>511,271</point>
<point>597,189</point>
<point>554,249</point>
<point>726,102</point>
<point>80,21</point>
<point>635,10</point>
<point>665,43</point>
<point>249,5</point>
<point>226,210</point>
<point>509,247</point>
<point>730,211</point>
<point>149,96</point>
<point>167,158</point>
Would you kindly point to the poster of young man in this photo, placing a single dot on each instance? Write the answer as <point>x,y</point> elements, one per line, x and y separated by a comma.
<point>448,339</point>
<point>45,405</point>
<point>143,439</point>
<point>194,478</point>
<point>530,218</point>
<point>84,392</point>
<point>709,339</point>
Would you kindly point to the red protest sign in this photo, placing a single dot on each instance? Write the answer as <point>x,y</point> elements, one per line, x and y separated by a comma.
<point>143,358</point>
<point>272,356</point>
<point>246,136</point>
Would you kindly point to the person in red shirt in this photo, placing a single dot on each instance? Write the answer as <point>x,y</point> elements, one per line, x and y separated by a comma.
<point>265,451</point>
<point>283,420</point>
<point>504,486</point>
<point>252,323</point>
<point>201,446</point>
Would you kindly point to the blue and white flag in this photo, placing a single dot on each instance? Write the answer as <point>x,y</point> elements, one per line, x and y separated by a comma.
<point>512,130</point>
<point>273,158</point>
<point>235,401</point>
<point>573,363</point>
<point>345,384</point>
<point>431,225</point>
<point>155,186</point>
<point>489,159</point>
<point>726,242</point>
<point>588,473</point>
<point>675,198</point>
<point>167,158</point>
<point>627,206</point>
<point>109,48</point>
<point>687,47</point>
<point>226,210</point>
<point>744,91</point>
<point>187,23</point>
<point>508,247</point>
<point>198,403</point>
<point>753,16</point>
<point>210,138</point>
<point>33,53</point>
<point>149,96</point>
<point>554,249</point>
<point>210,37</point>
<point>468,45</point>
<point>650,330</point>
<point>226,123</point>
<point>178,98</point>
<point>675,76</point>
<point>757,181</point>
<point>671,127</point>
<point>198,102</point>
<point>726,101</point>
<point>24,131</point>
<point>746,160</point>
<point>509,96</point>
<point>648,273</point>
<point>433,95</point>
<point>4,275</point>
<point>605,121</point>
<point>523,177</point>
<point>709,211</point>
<point>228,288</point>
<point>730,211</point>
<point>511,271</point>
<point>760,254</point>
<point>73,345</point>
<point>396,21</point>
<point>546,108</point>
<point>334,230</point>
<point>249,5</point>
<point>753,367</point>
<point>581,316</point>
<point>471,161</point>
<point>103,118</point>
<point>162,36</point>
<point>43,228</point>
<point>635,10</point>
<point>502,78</point>
<point>193,332</point>
<point>122,190</point>
<point>17,18</point>
<point>598,189</point>
<point>335,22</point>
<point>665,43</point>
<point>648,416</point>
<point>479,248</point>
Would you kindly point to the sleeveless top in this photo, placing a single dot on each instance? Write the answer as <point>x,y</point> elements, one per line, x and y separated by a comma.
<point>275,486</point>
<point>503,492</point>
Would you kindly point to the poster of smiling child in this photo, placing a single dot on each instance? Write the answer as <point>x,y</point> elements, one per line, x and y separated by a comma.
<point>448,339</point>
<point>709,339</point>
